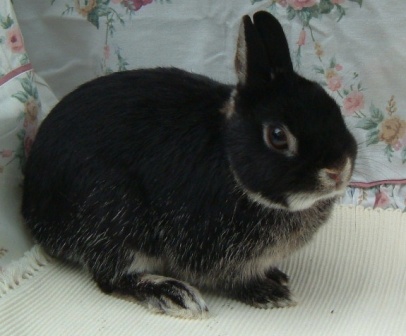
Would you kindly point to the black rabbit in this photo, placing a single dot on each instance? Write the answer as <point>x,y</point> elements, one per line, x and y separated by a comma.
<point>154,179</point>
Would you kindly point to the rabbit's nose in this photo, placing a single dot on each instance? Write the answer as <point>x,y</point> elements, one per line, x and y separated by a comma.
<point>335,175</point>
<point>338,175</point>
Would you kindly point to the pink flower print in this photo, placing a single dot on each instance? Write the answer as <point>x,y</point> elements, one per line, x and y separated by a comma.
<point>106,51</point>
<point>381,199</point>
<point>283,3</point>
<point>400,144</point>
<point>339,67</point>
<point>302,38</point>
<point>137,4</point>
<point>397,146</point>
<point>334,83</point>
<point>15,40</point>
<point>6,153</point>
<point>300,4</point>
<point>337,2</point>
<point>353,102</point>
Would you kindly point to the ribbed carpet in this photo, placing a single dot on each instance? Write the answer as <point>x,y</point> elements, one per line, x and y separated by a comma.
<point>351,280</point>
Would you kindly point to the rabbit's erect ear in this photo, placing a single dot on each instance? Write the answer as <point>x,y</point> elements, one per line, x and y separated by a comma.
<point>274,41</point>
<point>262,49</point>
<point>251,61</point>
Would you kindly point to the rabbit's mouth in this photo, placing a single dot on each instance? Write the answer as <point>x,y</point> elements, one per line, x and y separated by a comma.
<point>336,178</point>
<point>330,184</point>
<point>297,201</point>
<point>305,200</point>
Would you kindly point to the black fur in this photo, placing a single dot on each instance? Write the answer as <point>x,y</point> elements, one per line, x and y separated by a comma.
<point>149,163</point>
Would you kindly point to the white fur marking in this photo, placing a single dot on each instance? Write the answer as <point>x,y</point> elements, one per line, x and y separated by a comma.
<point>280,304</point>
<point>302,200</point>
<point>229,108</point>
<point>259,199</point>
<point>143,264</point>
<point>258,266</point>
<point>196,307</point>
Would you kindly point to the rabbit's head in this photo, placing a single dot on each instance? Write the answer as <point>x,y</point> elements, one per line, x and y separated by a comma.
<point>287,142</point>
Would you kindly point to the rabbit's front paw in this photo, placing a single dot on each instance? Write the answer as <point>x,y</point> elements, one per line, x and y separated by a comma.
<point>172,297</point>
<point>269,292</point>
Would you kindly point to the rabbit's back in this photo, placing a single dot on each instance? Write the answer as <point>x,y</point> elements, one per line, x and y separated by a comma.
<point>132,110</point>
<point>105,142</point>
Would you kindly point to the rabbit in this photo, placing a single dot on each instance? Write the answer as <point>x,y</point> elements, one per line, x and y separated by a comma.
<point>160,182</point>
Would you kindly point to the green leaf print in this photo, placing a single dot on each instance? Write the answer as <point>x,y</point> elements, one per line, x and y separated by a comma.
<point>93,18</point>
<point>21,96</point>
<point>366,124</point>
<point>121,63</point>
<point>389,152</point>
<point>325,6</point>
<point>403,155</point>
<point>318,69</point>
<point>372,137</point>
<point>333,62</point>
<point>291,13</point>
<point>27,86</point>
<point>7,22</point>
<point>305,15</point>
<point>376,114</point>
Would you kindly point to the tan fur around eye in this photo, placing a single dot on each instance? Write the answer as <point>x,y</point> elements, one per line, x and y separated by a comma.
<point>240,61</point>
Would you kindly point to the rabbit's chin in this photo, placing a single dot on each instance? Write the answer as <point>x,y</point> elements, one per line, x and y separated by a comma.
<point>305,200</point>
<point>297,201</point>
<point>294,201</point>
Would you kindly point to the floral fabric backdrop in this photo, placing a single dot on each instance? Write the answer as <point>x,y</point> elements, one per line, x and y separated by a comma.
<point>20,110</point>
<point>353,48</point>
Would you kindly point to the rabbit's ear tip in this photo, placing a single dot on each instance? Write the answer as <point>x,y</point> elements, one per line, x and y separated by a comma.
<point>246,20</point>
<point>264,15</point>
<point>262,49</point>
<point>274,40</point>
<point>250,58</point>
<point>263,20</point>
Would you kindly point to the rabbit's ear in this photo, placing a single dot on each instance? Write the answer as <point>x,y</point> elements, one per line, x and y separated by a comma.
<point>251,61</point>
<point>262,49</point>
<point>274,41</point>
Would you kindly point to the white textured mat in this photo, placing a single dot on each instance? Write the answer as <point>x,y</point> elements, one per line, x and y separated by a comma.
<point>351,280</point>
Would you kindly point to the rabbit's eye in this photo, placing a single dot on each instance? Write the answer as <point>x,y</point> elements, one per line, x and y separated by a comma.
<point>276,138</point>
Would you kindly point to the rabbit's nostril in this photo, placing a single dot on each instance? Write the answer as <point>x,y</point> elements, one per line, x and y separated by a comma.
<point>334,175</point>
